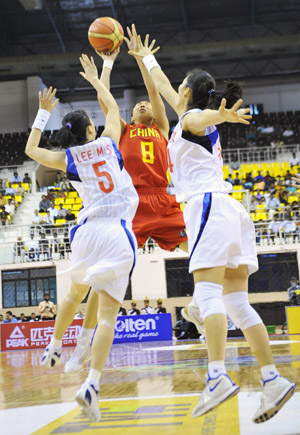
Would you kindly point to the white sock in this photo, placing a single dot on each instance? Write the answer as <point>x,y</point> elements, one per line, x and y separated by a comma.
<point>55,343</point>
<point>269,372</point>
<point>216,368</point>
<point>94,377</point>
<point>87,333</point>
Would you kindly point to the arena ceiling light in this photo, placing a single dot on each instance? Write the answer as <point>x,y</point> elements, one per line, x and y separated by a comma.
<point>31,5</point>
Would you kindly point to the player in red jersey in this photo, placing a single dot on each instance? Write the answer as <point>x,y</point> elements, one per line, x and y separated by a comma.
<point>143,145</point>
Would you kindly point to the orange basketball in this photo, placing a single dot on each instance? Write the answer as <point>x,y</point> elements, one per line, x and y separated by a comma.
<point>106,34</point>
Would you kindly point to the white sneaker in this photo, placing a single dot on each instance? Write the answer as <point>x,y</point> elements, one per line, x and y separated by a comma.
<point>81,354</point>
<point>87,398</point>
<point>192,314</point>
<point>217,390</point>
<point>51,357</point>
<point>276,392</point>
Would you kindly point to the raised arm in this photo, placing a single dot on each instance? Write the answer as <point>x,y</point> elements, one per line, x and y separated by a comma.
<point>160,80</point>
<point>112,125</point>
<point>51,159</point>
<point>158,107</point>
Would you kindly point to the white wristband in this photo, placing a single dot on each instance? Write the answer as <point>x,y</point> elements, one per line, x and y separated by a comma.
<point>108,63</point>
<point>41,119</point>
<point>150,62</point>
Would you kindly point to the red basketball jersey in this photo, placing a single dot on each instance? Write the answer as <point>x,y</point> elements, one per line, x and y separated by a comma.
<point>144,151</point>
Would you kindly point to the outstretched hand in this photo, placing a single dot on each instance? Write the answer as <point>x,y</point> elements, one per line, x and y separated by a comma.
<point>90,70</point>
<point>134,41</point>
<point>46,101</point>
<point>108,56</point>
<point>233,114</point>
<point>141,49</point>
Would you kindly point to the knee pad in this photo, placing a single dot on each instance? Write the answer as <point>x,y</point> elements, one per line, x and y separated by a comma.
<point>240,311</point>
<point>209,298</point>
<point>107,316</point>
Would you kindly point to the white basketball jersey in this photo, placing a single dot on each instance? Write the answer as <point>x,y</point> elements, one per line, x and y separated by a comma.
<point>96,171</point>
<point>195,162</point>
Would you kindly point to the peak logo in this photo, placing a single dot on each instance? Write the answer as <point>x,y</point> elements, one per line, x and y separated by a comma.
<point>17,339</point>
<point>135,325</point>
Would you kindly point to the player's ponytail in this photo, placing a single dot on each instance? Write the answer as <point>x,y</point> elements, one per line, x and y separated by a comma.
<point>204,95</point>
<point>73,130</point>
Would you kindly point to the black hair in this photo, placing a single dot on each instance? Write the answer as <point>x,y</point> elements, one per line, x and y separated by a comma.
<point>204,95</point>
<point>9,312</point>
<point>73,131</point>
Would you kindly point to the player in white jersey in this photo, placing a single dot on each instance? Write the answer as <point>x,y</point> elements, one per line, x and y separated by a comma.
<point>221,235</point>
<point>103,244</point>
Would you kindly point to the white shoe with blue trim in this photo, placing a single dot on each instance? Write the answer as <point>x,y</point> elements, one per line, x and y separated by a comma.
<point>51,357</point>
<point>276,392</point>
<point>81,354</point>
<point>192,314</point>
<point>217,390</point>
<point>88,399</point>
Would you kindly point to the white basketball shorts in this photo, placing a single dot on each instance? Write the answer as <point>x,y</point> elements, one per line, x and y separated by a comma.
<point>220,233</point>
<point>103,255</point>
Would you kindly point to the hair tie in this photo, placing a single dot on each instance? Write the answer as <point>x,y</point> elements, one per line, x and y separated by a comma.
<point>68,124</point>
<point>211,91</point>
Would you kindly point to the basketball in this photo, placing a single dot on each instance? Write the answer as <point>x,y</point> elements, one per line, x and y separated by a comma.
<point>106,34</point>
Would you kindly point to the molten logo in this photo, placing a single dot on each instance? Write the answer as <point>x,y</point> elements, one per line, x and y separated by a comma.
<point>131,325</point>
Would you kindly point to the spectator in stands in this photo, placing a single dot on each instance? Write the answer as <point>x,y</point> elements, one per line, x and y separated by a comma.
<point>19,189</point>
<point>253,204</point>
<point>295,209</point>
<point>150,244</point>
<point>229,179</point>
<point>37,220</point>
<point>10,318</point>
<point>248,181</point>
<point>53,212</point>
<point>272,203</point>
<point>275,227</point>
<point>47,308</point>
<point>288,132</point>
<point>44,204</point>
<point>259,177</point>
<point>16,178</point>
<point>289,228</point>
<point>294,161</point>
<point>33,249</point>
<point>237,180</point>
<point>50,196</point>
<point>283,197</point>
<point>26,178</point>
<point>44,246</point>
<point>147,309</point>
<point>294,291</point>
<point>33,318</point>
<point>65,185</point>
<point>61,212</point>
<point>70,217</point>
<point>22,318</point>
<point>269,129</point>
<point>184,330</point>
<point>19,250</point>
<point>234,165</point>
<point>3,216</point>
<point>133,311</point>
<point>56,246</point>
<point>62,194</point>
<point>269,180</point>
<point>259,195</point>
<point>57,180</point>
<point>48,222</point>
<point>261,231</point>
<point>160,309</point>
<point>1,318</point>
<point>2,200</point>
<point>10,190</point>
<point>10,209</point>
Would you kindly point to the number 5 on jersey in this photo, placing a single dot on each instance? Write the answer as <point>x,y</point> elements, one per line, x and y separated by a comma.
<point>107,184</point>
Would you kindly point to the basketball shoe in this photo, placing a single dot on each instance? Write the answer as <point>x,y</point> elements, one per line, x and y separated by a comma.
<point>51,356</point>
<point>217,390</point>
<point>87,398</point>
<point>276,392</point>
<point>192,314</point>
<point>81,354</point>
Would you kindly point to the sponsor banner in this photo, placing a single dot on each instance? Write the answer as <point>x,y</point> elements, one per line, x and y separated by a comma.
<point>151,327</point>
<point>37,335</point>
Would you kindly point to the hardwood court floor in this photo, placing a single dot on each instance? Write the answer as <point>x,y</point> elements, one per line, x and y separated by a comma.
<point>146,388</point>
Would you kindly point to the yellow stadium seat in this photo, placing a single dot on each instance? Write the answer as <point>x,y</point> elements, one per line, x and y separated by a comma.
<point>78,200</point>
<point>260,207</point>
<point>245,167</point>
<point>69,201</point>
<point>58,201</point>
<point>14,185</point>
<point>76,207</point>
<point>292,198</point>
<point>236,187</point>
<point>261,215</point>
<point>26,186</point>
<point>254,167</point>
<point>60,221</point>
<point>285,166</point>
<point>238,195</point>
<point>253,216</point>
<point>72,195</point>
<point>18,198</point>
<point>75,212</point>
